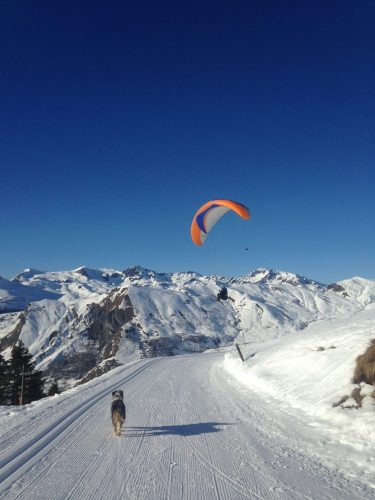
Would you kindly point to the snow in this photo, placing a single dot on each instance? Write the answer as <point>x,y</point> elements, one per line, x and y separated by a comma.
<point>14,296</point>
<point>190,433</point>
<point>360,289</point>
<point>311,372</point>
<point>182,312</point>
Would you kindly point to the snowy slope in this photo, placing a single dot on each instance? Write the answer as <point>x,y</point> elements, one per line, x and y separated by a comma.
<point>359,289</point>
<point>15,296</point>
<point>79,285</point>
<point>190,433</point>
<point>311,374</point>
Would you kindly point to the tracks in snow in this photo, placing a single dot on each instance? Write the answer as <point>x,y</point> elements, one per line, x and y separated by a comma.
<point>188,434</point>
<point>21,458</point>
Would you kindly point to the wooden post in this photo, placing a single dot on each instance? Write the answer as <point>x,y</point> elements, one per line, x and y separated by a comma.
<point>22,382</point>
<point>239,352</point>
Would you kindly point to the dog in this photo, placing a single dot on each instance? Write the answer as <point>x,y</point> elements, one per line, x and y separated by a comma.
<point>118,411</point>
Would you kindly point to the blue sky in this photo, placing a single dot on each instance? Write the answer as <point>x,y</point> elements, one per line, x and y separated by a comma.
<point>119,119</point>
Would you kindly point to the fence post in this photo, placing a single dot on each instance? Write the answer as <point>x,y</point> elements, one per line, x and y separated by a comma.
<point>22,384</point>
<point>239,352</point>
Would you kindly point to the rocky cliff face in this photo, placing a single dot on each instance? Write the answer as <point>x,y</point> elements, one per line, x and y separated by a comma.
<point>84,322</point>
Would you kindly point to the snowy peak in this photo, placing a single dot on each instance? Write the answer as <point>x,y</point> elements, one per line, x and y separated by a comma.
<point>88,273</point>
<point>15,296</point>
<point>26,274</point>
<point>136,272</point>
<point>141,276</point>
<point>357,288</point>
<point>273,276</point>
<point>98,274</point>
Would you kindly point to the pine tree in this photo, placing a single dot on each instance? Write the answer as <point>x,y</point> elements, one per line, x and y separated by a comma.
<point>4,381</point>
<point>26,382</point>
<point>54,389</point>
<point>35,388</point>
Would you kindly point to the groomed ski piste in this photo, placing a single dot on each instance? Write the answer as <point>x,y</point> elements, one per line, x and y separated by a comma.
<point>206,426</point>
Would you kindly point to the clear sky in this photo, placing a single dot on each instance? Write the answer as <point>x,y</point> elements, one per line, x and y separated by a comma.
<point>119,119</point>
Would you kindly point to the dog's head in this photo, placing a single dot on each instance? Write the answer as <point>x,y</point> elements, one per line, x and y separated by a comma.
<point>118,395</point>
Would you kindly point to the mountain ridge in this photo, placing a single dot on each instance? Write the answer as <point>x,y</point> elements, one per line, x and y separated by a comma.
<point>74,321</point>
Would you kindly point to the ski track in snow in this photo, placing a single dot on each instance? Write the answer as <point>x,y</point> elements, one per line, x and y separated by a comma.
<point>189,434</point>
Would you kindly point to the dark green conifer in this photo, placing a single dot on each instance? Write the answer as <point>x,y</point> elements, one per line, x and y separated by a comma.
<point>54,389</point>
<point>26,382</point>
<point>4,381</point>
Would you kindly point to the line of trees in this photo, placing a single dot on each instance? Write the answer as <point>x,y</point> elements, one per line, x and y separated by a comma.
<point>20,382</point>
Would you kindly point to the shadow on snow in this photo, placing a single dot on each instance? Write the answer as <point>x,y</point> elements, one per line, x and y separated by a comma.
<point>175,430</point>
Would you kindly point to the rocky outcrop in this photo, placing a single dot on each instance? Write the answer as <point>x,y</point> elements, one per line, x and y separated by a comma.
<point>12,338</point>
<point>335,287</point>
<point>107,320</point>
<point>104,327</point>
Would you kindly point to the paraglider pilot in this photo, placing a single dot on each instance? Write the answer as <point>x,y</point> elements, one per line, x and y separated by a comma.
<point>223,294</point>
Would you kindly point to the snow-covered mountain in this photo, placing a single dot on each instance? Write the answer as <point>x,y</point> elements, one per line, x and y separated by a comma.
<point>80,323</point>
<point>14,296</point>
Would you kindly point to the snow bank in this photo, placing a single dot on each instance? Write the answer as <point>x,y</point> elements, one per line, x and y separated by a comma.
<point>308,373</point>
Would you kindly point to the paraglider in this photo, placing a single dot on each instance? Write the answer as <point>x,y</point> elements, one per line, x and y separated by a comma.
<point>209,213</point>
<point>223,294</point>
